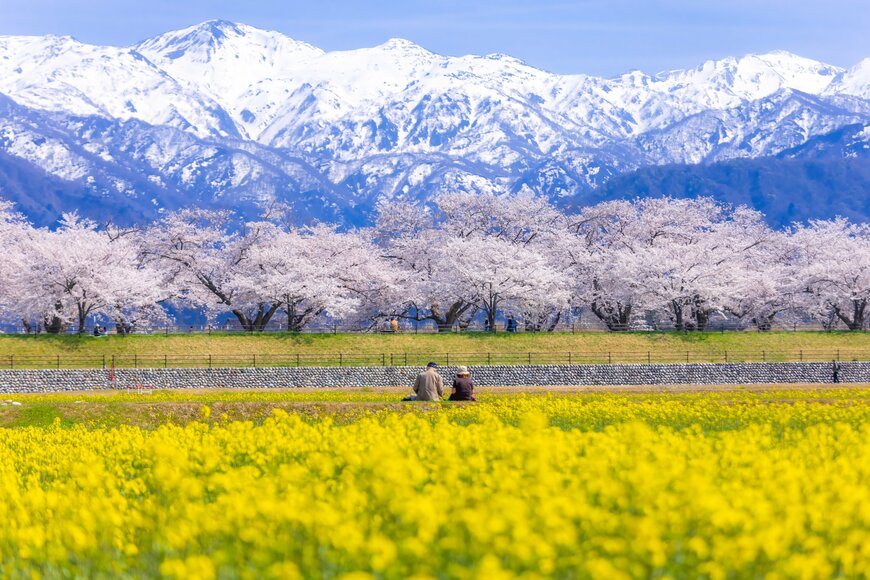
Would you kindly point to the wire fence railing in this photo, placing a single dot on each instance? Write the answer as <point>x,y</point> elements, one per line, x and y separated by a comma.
<point>108,361</point>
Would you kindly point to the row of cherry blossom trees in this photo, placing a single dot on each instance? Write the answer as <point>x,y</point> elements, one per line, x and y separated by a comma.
<point>464,257</point>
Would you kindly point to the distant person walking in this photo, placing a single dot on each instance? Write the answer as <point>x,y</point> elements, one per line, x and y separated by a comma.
<point>463,389</point>
<point>835,367</point>
<point>429,386</point>
<point>394,325</point>
<point>511,324</point>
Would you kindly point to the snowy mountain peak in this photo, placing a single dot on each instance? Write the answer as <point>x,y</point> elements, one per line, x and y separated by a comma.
<point>730,81</point>
<point>855,81</point>
<point>202,42</point>
<point>245,69</point>
<point>401,45</point>
<point>64,75</point>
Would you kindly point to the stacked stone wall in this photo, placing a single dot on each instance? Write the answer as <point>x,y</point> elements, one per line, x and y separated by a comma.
<point>54,380</point>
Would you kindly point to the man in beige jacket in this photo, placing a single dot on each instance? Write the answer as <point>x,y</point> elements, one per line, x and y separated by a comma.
<point>429,386</point>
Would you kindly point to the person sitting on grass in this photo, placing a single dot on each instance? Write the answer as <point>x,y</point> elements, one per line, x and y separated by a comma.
<point>463,389</point>
<point>428,386</point>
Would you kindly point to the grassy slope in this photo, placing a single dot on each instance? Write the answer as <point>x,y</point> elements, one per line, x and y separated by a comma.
<point>241,344</point>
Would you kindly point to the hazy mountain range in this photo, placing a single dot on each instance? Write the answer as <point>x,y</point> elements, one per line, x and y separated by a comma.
<point>227,115</point>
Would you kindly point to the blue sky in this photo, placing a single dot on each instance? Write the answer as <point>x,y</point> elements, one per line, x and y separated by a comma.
<point>603,37</point>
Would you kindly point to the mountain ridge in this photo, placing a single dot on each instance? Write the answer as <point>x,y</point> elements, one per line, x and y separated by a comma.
<point>346,129</point>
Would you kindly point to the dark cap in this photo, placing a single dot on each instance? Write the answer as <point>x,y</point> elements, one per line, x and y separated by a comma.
<point>432,365</point>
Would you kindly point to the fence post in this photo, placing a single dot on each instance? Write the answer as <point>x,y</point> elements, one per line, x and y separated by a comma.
<point>113,361</point>
<point>383,359</point>
<point>165,361</point>
<point>530,358</point>
<point>726,356</point>
<point>802,355</point>
<point>391,360</point>
<point>12,361</point>
<point>340,360</point>
<point>448,359</point>
<point>687,357</point>
<point>763,356</point>
<point>406,359</point>
<point>209,361</point>
<point>104,362</point>
<point>489,359</point>
<point>255,361</point>
<point>609,358</point>
<point>569,357</point>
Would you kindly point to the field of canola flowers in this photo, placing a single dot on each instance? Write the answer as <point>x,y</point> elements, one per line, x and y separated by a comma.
<point>732,484</point>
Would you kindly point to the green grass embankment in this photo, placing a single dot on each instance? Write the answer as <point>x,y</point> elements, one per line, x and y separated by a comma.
<point>279,349</point>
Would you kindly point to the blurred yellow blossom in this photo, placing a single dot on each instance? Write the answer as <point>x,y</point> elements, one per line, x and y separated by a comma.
<point>563,485</point>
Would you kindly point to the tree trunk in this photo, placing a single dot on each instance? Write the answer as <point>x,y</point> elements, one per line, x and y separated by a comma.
<point>700,313</point>
<point>764,323</point>
<point>615,316</point>
<point>490,319</point>
<point>856,321</point>
<point>54,324</point>
<point>555,322</point>
<point>296,319</point>
<point>82,313</point>
<point>677,309</point>
<point>123,327</point>
<point>465,321</point>
<point>538,322</point>
<point>446,321</point>
<point>260,319</point>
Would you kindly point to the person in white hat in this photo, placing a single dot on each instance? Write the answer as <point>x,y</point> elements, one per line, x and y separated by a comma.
<point>463,389</point>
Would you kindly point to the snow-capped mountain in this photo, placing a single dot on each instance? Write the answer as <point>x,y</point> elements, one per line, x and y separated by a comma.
<point>224,113</point>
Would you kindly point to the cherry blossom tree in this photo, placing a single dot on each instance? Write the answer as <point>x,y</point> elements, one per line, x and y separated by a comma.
<point>678,256</point>
<point>833,267</point>
<point>693,262</point>
<point>425,241</point>
<point>520,219</point>
<point>77,271</point>
<point>206,257</point>
<point>498,273</point>
<point>415,248</point>
<point>316,270</point>
<point>765,287</point>
<point>14,233</point>
<point>601,256</point>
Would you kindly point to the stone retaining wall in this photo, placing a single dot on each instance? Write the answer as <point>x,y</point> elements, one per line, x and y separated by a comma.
<point>50,380</point>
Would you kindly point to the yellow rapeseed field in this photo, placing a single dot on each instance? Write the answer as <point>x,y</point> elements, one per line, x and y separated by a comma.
<point>718,485</point>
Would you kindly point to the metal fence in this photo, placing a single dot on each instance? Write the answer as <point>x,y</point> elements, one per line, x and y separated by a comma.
<point>421,359</point>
